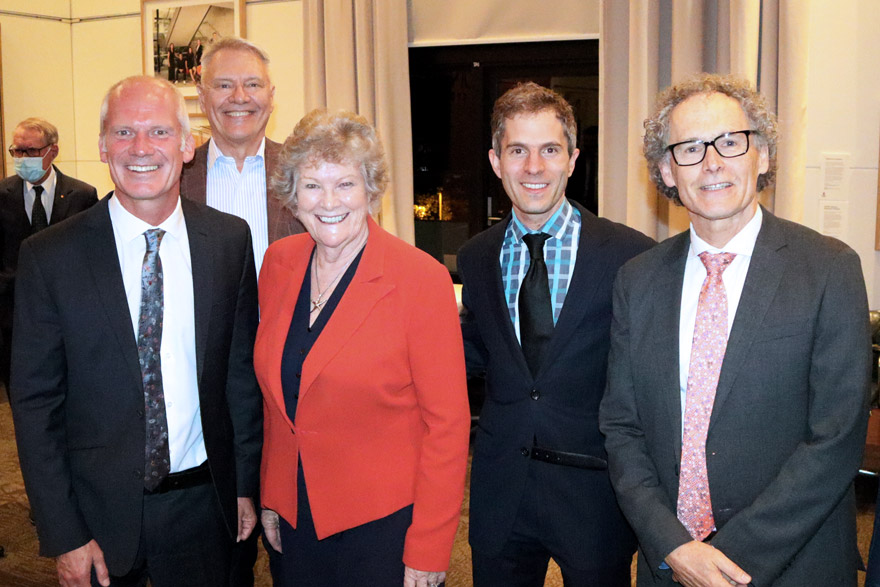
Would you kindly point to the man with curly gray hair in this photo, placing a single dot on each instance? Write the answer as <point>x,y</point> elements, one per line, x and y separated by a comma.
<point>736,405</point>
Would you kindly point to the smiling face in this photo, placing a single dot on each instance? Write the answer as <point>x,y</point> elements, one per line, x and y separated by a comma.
<point>142,146</point>
<point>333,205</point>
<point>237,97</point>
<point>720,194</point>
<point>534,166</point>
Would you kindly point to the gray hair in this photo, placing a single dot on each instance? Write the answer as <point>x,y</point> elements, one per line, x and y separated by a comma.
<point>46,129</point>
<point>231,44</point>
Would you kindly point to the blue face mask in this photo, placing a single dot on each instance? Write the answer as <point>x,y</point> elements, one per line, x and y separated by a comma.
<point>30,168</point>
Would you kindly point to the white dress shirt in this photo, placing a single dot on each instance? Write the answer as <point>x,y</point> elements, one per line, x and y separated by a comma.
<point>178,347</point>
<point>734,278</point>
<point>48,197</point>
<point>241,194</point>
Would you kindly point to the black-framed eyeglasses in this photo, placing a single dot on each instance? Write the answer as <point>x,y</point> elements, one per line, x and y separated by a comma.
<point>730,144</point>
<point>29,152</point>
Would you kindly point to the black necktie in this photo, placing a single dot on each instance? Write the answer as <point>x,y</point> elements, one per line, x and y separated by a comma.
<point>535,309</point>
<point>38,213</point>
<point>149,342</point>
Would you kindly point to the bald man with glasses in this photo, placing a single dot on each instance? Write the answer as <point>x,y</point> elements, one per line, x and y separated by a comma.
<point>34,148</point>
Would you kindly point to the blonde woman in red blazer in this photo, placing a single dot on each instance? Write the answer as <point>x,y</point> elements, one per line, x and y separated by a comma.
<point>360,360</point>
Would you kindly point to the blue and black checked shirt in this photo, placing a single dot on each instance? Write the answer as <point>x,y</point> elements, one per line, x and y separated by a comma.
<point>560,254</point>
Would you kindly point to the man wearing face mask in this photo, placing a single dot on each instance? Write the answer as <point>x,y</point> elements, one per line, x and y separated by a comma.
<point>37,196</point>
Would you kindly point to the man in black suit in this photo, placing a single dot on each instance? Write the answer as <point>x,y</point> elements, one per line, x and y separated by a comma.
<point>739,372</point>
<point>540,332</point>
<point>137,412</point>
<point>34,148</point>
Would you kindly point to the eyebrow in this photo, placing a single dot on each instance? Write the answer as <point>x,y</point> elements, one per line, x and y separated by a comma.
<point>542,146</point>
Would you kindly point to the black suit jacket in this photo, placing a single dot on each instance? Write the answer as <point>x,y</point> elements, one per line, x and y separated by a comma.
<point>788,424</point>
<point>194,186</point>
<point>77,395</point>
<point>71,196</point>
<point>559,407</point>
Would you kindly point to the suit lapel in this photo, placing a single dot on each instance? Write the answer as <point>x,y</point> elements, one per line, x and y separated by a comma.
<point>589,270</point>
<point>665,316</point>
<point>194,180</point>
<point>61,202</point>
<point>202,256</point>
<point>364,291</point>
<point>107,277</point>
<point>765,273</point>
<point>494,298</point>
<point>281,306</point>
<point>16,195</point>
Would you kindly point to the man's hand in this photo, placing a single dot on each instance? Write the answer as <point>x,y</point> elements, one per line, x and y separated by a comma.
<point>75,567</point>
<point>247,518</point>
<point>414,578</point>
<point>271,521</point>
<point>695,564</point>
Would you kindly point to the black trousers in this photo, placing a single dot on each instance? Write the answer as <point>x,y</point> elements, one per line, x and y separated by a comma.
<point>524,559</point>
<point>184,542</point>
<point>370,554</point>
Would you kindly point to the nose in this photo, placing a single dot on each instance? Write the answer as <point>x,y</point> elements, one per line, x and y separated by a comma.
<point>534,163</point>
<point>712,161</point>
<point>141,144</point>
<point>239,95</point>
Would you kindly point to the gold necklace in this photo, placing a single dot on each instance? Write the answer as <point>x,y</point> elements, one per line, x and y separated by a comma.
<point>318,303</point>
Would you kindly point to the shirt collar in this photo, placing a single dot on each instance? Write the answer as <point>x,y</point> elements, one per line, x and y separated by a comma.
<point>48,185</point>
<point>215,153</point>
<point>129,227</point>
<point>555,225</point>
<point>743,243</point>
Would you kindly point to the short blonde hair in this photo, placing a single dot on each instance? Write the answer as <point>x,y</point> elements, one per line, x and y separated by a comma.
<point>325,137</point>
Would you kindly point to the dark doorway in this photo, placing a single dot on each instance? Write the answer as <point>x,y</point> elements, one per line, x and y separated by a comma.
<point>452,92</point>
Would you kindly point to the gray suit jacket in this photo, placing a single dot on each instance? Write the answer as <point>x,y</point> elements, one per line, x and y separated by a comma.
<point>194,183</point>
<point>788,425</point>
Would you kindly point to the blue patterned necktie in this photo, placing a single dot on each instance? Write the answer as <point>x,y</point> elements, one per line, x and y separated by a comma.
<point>157,455</point>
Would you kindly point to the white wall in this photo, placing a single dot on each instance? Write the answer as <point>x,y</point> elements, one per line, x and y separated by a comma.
<point>843,115</point>
<point>60,69</point>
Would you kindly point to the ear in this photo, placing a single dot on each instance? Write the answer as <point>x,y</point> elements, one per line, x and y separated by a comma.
<point>189,148</point>
<point>571,160</point>
<point>272,98</point>
<point>102,149</point>
<point>495,161</point>
<point>201,91</point>
<point>763,159</point>
<point>666,171</point>
<point>53,152</point>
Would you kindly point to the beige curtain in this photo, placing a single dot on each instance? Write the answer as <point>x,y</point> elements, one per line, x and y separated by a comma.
<point>356,59</point>
<point>664,42</point>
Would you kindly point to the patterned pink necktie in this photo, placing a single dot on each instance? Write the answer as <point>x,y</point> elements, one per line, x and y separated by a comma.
<point>707,353</point>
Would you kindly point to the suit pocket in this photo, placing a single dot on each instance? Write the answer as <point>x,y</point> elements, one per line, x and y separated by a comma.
<point>784,330</point>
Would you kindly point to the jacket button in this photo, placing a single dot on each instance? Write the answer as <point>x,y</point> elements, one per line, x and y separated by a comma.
<point>137,473</point>
<point>140,413</point>
<point>524,451</point>
<point>535,394</point>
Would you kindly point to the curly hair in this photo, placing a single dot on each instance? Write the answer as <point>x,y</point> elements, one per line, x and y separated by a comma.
<point>325,137</point>
<point>530,98</point>
<point>753,104</point>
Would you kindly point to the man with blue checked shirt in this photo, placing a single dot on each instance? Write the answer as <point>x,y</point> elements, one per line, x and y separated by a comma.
<point>539,484</point>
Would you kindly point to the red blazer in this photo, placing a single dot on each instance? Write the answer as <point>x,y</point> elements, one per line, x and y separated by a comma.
<point>382,419</point>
